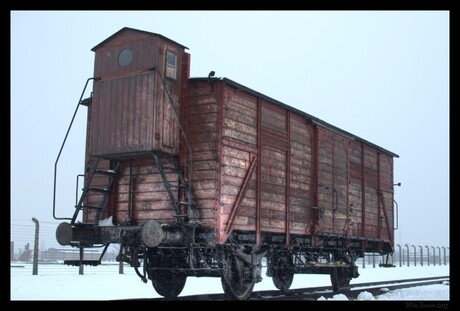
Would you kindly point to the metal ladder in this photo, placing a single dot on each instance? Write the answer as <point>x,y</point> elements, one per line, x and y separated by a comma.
<point>89,188</point>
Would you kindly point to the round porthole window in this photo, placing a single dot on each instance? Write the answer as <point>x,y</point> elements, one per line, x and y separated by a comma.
<point>125,57</point>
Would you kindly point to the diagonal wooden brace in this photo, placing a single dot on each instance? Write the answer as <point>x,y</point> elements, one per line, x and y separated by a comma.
<point>240,196</point>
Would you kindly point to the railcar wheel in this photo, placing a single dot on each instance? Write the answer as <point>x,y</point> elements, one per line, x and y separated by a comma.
<point>233,280</point>
<point>339,279</point>
<point>168,283</point>
<point>164,267</point>
<point>282,274</point>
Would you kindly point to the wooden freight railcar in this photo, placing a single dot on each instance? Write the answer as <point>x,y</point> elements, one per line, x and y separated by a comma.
<point>206,177</point>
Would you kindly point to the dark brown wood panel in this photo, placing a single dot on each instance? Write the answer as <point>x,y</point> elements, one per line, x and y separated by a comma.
<point>274,118</point>
<point>300,175</point>
<point>239,119</point>
<point>122,122</point>
<point>202,134</point>
<point>131,112</point>
<point>145,197</point>
<point>235,166</point>
<point>273,199</point>
<point>240,103</point>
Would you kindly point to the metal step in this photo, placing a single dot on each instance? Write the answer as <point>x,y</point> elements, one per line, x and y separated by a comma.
<point>91,207</point>
<point>85,262</point>
<point>100,190</point>
<point>85,224</point>
<point>106,172</point>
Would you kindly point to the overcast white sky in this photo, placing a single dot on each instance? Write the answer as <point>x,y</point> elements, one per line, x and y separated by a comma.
<point>381,75</point>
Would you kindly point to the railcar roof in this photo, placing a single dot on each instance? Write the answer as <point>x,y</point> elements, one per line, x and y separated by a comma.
<point>297,111</point>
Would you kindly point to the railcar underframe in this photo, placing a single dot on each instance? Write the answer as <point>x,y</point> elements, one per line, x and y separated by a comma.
<point>169,253</point>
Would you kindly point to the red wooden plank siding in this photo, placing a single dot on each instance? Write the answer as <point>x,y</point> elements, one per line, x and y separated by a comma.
<point>239,144</point>
<point>274,169</point>
<point>355,188</point>
<point>148,197</point>
<point>386,187</point>
<point>131,111</point>
<point>325,180</point>
<point>202,135</point>
<point>370,193</point>
<point>125,120</point>
<point>273,189</point>
<point>347,180</point>
<point>334,184</point>
<point>225,133</point>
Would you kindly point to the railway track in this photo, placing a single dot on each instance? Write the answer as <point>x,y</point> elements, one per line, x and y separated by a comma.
<point>313,293</point>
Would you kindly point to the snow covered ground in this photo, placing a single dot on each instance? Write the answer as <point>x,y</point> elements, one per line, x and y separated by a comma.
<point>61,282</point>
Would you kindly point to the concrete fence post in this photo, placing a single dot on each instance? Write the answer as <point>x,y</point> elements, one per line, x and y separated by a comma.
<point>35,260</point>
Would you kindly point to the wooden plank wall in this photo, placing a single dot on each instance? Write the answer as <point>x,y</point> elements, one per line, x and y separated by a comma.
<point>300,184</point>
<point>386,185</point>
<point>325,180</point>
<point>148,195</point>
<point>371,218</point>
<point>131,112</point>
<point>339,184</point>
<point>224,133</point>
<point>355,188</point>
<point>239,139</point>
<point>149,199</point>
<point>202,135</point>
<point>274,177</point>
<point>347,178</point>
<point>273,200</point>
<point>123,115</point>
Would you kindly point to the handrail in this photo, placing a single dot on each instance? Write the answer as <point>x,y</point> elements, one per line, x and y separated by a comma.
<point>397,216</point>
<point>189,203</point>
<point>77,187</point>
<point>62,147</point>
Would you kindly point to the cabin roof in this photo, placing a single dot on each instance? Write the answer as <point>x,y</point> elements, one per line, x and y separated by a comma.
<point>124,29</point>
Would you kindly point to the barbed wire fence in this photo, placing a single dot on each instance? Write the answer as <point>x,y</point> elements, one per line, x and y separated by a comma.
<point>22,238</point>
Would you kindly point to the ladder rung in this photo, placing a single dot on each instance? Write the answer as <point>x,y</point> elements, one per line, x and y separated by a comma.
<point>86,224</point>
<point>91,207</point>
<point>106,172</point>
<point>99,190</point>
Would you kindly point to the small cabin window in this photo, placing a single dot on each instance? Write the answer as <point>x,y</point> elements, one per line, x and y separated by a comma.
<point>171,65</point>
<point>125,57</point>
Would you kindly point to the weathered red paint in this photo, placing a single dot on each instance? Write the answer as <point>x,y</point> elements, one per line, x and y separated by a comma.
<point>309,177</point>
<point>299,167</point>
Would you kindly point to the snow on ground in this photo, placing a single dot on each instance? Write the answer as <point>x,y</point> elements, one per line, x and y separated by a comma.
<point>61,282</point>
